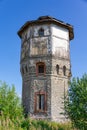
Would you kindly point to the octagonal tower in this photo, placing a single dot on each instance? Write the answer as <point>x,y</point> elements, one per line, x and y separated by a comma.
<point>45,66</point>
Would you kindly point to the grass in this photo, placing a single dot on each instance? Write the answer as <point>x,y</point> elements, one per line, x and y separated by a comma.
<point>28,124</point>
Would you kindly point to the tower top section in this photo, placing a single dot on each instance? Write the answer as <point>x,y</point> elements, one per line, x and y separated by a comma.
<point>47,20</point>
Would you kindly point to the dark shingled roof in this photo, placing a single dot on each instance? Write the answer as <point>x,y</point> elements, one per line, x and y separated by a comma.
<point>45,20</point>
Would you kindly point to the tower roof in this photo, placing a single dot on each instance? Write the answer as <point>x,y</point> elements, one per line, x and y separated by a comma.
<point>45,20</point>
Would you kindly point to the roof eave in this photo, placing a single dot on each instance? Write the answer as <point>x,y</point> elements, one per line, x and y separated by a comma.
<point>62,24</point>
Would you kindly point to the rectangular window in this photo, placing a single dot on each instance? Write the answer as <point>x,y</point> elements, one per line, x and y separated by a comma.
<point>40,104</point>
<point>40,69</point>
<point>41,32</point>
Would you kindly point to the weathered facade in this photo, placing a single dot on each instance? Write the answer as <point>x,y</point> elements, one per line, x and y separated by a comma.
<point>45,66</point>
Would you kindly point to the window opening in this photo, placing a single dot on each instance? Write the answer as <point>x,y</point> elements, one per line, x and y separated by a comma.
<point>41,32</point>
<point>40,68</point>
<point>40,105</point>
<point>64,70</point>
<point>22,70</point>
<point>41,102</point>
<point>57,69</point>
<point>26,69</point>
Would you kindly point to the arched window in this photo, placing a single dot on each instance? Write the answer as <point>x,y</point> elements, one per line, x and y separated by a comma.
<point>64,70</point>
<point>41,32</point>
<point>40,68</point>
<point>26,69</point>
<point>57,69</point>
<point>22,70</point>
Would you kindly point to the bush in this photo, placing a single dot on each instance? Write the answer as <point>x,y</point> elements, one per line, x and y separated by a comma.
<point>76,102</point>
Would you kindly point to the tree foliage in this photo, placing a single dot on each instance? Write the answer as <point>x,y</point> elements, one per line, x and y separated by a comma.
<point>12,117</point>
<point>10,104</point>
<point>76,102</point>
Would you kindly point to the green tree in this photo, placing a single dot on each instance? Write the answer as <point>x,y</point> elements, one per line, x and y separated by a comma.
<point>76,102</point>
<point>10,103</point>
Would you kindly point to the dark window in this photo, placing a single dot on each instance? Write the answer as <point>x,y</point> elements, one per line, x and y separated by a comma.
<point>41,32</point>
<point>64,70</point>
<point>22,70</point>
<point>26,69</point>
<point>40,68</point>
<point>40,102</point>
<point>57,69</point>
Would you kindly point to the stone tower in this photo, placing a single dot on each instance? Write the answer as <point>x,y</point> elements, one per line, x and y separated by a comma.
<point>45,66</point>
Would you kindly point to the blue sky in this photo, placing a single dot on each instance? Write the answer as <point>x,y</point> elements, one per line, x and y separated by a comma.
<point>14,13</point>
